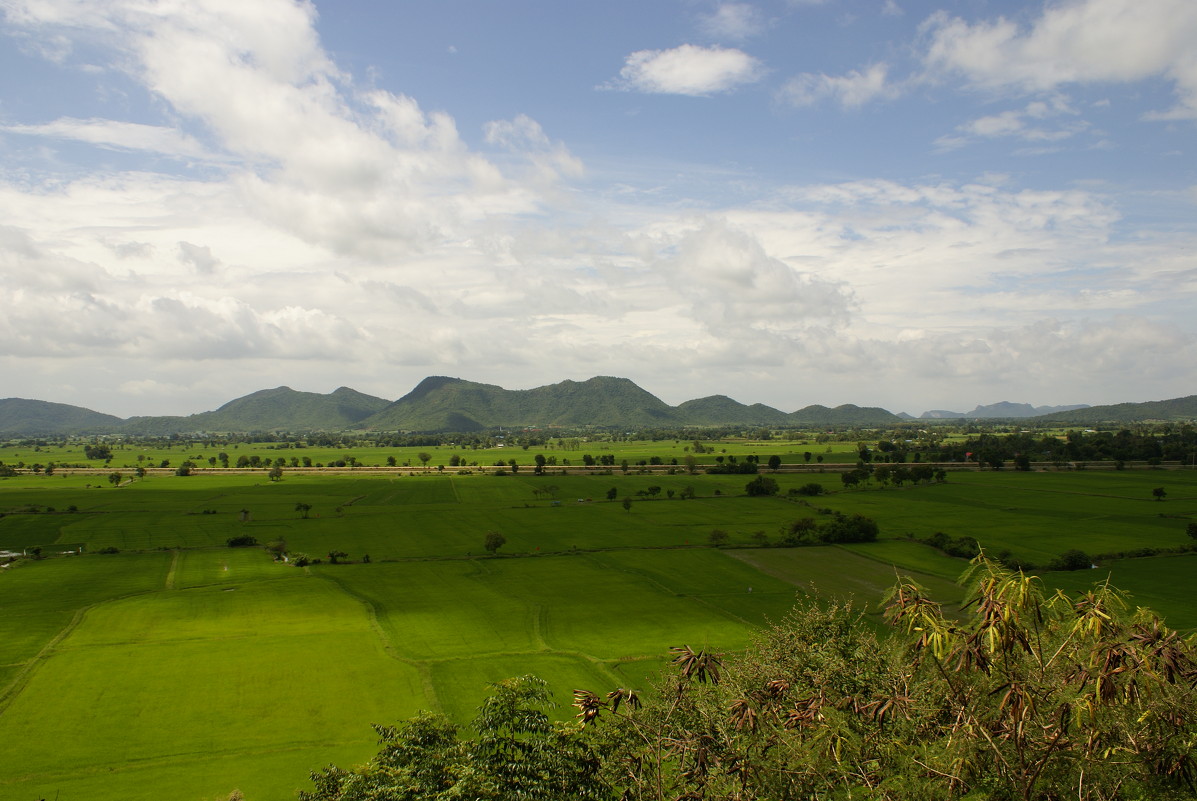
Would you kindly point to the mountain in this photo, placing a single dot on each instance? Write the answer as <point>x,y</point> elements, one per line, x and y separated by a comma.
<point>847,414</point>
<point>1002,409</point>
<point>1165,410</point>
<point>722,410</point>
<point>439,403</point>
<point>33,417</point>
<point>278,409</point>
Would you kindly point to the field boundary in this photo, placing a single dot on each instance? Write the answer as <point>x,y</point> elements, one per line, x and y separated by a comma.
<point>9,693</point>
<point>388,643</point>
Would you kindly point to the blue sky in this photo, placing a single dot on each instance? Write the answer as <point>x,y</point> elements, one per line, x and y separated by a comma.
<point>914,205</point>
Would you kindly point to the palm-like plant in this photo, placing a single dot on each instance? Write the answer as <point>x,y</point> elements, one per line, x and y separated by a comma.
<point>702,665</point>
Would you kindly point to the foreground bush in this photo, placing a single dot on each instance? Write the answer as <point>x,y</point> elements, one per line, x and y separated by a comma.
<point>1031,696</point>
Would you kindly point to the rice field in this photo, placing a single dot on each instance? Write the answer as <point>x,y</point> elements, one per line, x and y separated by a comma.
<point>178,667</point>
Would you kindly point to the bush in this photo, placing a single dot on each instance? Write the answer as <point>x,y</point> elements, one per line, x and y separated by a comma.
<point>242,541</point>
<point>964,547</point>
<point>1073,559</point>
<point>761,486</point>
<point>840,528</point>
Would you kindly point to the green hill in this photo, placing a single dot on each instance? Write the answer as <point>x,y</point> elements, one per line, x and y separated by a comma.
<point>722,410</point>
<point>32,417</point>
<point>1176,409</point>
<point>847,414</point>
<point>440,403</point>
<point>278,409</point>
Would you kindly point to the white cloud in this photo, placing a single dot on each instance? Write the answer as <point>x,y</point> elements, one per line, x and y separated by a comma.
<point>734,287</point>
<point>688,70</point>
<point>1038,121</point>
<point>1085,41</point>
<point>738,21</point>
<point>357,233</point>
<point>523,135</point>
<point>119,135</point>
<point>199,257</point>
<point>851,90</point>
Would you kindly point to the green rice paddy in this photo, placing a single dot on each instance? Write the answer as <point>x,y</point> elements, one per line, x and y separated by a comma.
<point>181,668</point>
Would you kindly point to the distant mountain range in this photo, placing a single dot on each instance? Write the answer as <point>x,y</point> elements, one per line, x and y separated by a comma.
<point>440,404</point>
<point>1004,409</point>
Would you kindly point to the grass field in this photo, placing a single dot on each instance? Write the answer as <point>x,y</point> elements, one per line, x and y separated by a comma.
<point>181,668</point>
<point>207,455</point>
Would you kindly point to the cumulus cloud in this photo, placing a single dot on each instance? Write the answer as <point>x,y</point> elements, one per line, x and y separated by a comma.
<point>199,257</point>
<point>734,286</point>
<point>1039,121</point>
<point>688,70</point>
<point>1090,41</point>
<point>357,232</point>
<point>523,135</point>
<point>736,21</point>
<point>365,172</point>
<point>851,90</point>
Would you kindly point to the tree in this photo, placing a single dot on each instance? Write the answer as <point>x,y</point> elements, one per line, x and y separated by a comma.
<point>1191,530</point>
<point>1159,493</point>
<point>718,537</point>
<point>493,542</point>
<point>303,509</point>
<point>1073,559</point>
<point>1029,696</point>
<point>627,504</point>
<point>276,473</point>
<point>333,556</point>
<point>612,493</point>
<point>97,452</point>
<point>517,752</point>
<point>115,479</point>
<point>424,456</point>
<point>774,463</point>
<point>761,486</point>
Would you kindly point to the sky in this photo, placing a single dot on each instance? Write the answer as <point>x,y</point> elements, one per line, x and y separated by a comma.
<point>912,205</point>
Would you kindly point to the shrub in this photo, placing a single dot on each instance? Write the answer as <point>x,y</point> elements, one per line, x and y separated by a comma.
<point>761,486</point>
<point>241,541</point>
<point>1073,559</point>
